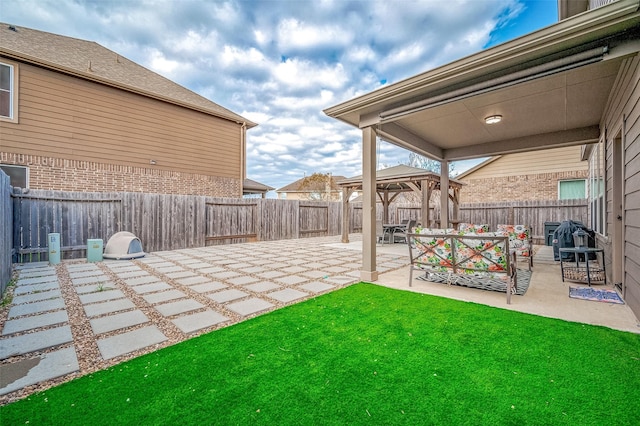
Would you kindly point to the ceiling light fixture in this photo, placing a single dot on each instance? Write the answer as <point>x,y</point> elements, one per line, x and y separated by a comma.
<point>493,119</point>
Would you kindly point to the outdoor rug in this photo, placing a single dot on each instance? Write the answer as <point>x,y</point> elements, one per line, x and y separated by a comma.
<point>597,295</point>
<point>524,277</point>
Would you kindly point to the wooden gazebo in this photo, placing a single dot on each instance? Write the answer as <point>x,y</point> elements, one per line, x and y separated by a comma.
<point>393,181</point>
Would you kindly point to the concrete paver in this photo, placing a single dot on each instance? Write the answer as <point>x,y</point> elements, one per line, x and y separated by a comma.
<point>101,296</point>
<point>34,321</point>
<point>118,321</point>
<point>287,295</point>
<point>34,297</point>
<point>163,296</point>
<point>35,307</point>
<point>227,295</point>
<point>262,286</point>
<point>316,286</point>
<point>97,309</point>
<point>120,344</point>
<point>21,288</point>
<point>149,288</point>
<point>250,306</point>
<point>142,280</point>
<point>44,367</point>
<point>37,280</point>
<point>179,307</point>
<point>39,340</point>
<point>198,321</point>
<point>193,280</point>
<point>291,279</point>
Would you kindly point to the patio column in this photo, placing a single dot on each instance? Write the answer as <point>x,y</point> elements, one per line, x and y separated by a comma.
<point>444,194</point>
<point>426,194</point>
<point>346,194</point>
<point>368,272</point>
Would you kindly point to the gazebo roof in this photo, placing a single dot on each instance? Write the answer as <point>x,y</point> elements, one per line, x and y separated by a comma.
<point>397,179</point>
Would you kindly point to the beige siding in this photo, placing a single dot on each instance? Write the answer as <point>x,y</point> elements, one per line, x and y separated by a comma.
<point>65,117</point>
<point>623,112</point>
<point>537,162</point>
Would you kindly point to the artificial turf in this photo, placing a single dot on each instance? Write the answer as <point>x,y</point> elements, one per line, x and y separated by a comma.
<point>365,355</point>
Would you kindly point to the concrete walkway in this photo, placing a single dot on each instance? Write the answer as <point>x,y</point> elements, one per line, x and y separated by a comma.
<point>129,307</point>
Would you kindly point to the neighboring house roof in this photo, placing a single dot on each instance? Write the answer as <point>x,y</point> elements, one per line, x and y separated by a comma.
<point>91,61</point>
<point>252,187</point>
<point>477,167</point>
<point>311,186</point>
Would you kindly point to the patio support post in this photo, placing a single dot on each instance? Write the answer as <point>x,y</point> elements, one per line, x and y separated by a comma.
<point>444,194</point>
<point>368,272</point>
<point>424,215</point>
<point>346,194</point>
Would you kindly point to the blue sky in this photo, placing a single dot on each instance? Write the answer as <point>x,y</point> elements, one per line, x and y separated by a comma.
<point>279,63</point>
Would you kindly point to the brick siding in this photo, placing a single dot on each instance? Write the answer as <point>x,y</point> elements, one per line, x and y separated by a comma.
<point>85,176</point>
<point>543,186</point>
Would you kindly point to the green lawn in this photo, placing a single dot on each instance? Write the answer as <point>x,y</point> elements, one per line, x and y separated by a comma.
<point>365,355</point>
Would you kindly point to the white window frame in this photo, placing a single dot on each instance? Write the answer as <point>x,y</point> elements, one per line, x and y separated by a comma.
<point>12,166</point>
<point>584,181</point>
<point>596,191</point>
<point>13,92</point>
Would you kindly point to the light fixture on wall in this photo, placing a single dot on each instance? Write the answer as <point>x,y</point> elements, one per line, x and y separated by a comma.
<point>493,119</point>
<point>152,162</point>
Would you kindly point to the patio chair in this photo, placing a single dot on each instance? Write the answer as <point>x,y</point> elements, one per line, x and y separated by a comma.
<point>382,233</point>
<point>402,232</point>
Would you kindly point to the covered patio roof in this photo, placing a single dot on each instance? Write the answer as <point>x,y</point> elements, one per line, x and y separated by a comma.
<point>550,89</point>
<point>393,181</point>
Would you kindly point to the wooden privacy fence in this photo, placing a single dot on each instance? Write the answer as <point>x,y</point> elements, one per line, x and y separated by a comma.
<point>6,241</point>
<point>161,221</point>
<point>169,222</point>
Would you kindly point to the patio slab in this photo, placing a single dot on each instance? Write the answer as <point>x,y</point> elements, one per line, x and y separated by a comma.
<point>163,296</point>
<point>36,287</point>
<point>198,321</point>
<point>124,343</point>
<point>36,280</point>
<point>36,307</point>
<point>118,321</point>
<point>35,370</point>
<point>109,307</point>
<point>149,288</point>
<point>34,297</point>
<point>35,321</point>
<point>179,307</point>
<point>101,296</point>
<point>89,280</point>
<point>250,306</point>
<point>262,286</point>
<point>193,280</point>
<point>316,286</point>
<point>287,295</point>
<point>208,287</point>
<point>227,295</point>
<point>291,279</point>
<point>142,280</point>
<point>39,340</point>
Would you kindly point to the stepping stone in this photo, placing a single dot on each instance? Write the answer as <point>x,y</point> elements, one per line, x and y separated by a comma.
<point>287,295</point>
<point>263,286</point>
<point>165,269</point>
<point>124,343</point>
<point>36,280</point>
<point>92,288</point>
<point>34,297</point>
<point>341,279</point>
<point>199,265</point>
<point>163,296</point>
<point>225,275</point>
<point>28,372</point>
<point>162,264</point>
<point>90,280</point>
<point>227,295</point>
<point>271,274</point>
<point>84,274</point>
<point>242,280</point>
<point>293,269</point>
<point>335,269</point>
<point>148,288</point>
<point>32,288</point>
<point>35,341</point>
<point>314,274</point>
<point>198,321</point>
<point>316,286</point>
<point>179,307</point>
<point>98,309</point>
<point>207,287</point>
<point>254,269</point>
<point>211,270</point>
<point>181,274</point>
<point>250,306</point>
<point>29,323</point>
<point>291,279</point>
<point>118,321</point>
<point>142,280</point>
<point>101,296</point>
<point>193,280</point>
<point>131,274</point>
<point>33,308</point>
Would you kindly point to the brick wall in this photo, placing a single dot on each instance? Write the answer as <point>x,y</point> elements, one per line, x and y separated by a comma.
<point>542,186</point>
<point>72,175</point>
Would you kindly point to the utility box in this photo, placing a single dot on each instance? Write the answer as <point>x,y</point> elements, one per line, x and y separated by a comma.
<point>94,250</point>
<point>549,229</point>
<point>53,244</point>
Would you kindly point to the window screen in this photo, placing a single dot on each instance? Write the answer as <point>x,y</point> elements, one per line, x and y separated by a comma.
<point>571,189</point>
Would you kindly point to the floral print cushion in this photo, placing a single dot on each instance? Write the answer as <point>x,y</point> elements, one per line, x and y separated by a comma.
<point>477,257</point>
<point>519,238</point>
<point>470,228</point>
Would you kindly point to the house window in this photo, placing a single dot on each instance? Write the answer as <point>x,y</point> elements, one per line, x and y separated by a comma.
<point>18,175</point>
<point>7,91</point>
<point>572,189</point>
<point>597,212</point>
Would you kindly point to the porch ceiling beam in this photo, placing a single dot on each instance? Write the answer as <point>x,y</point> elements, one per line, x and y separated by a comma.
<point>579,136</point>
<point>400,136</point>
